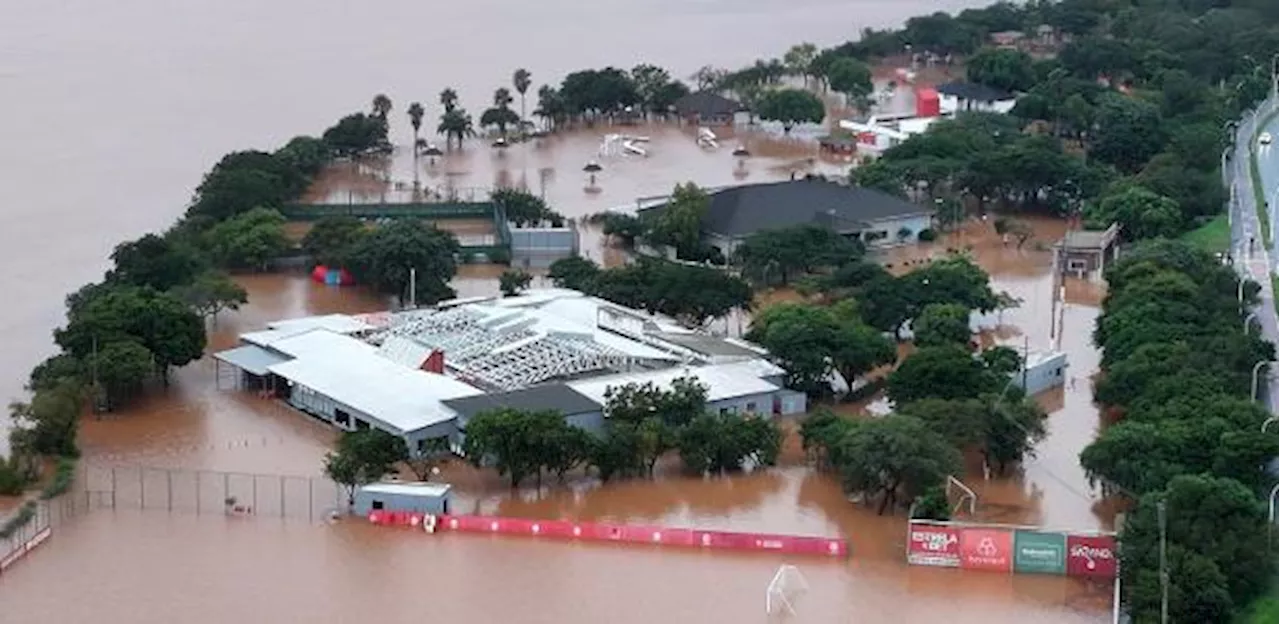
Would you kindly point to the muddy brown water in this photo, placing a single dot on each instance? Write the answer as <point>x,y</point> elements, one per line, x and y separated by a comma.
<point>174,88</point>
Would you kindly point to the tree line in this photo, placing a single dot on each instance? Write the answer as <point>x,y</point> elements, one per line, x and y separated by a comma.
<point>147,314</point>
<point>1178,362</point>
<point>643,424</point>
<point>1125,124</point>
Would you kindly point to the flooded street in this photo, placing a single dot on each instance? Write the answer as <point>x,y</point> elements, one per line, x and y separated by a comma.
<point>175,88</point>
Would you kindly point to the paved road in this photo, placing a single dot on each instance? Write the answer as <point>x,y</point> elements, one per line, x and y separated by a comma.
<point>1256,261</point>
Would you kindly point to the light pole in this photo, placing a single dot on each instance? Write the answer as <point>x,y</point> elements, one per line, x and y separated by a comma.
<point>1271,510</point>
<point>1240,291</point>
<point>1249,319</point>
<point>1164,570</point>
<point>1267,422</point>
<point>1253,380</point>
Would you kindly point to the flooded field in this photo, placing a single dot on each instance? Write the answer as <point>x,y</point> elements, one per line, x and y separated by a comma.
<point>176,87</point>
<point>198,427</point>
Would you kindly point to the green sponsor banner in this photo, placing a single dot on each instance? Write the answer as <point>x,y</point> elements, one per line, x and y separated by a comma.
<point>1039,553</point>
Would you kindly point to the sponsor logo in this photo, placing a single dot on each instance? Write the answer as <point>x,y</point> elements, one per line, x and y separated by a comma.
<point>1091,554</point>
<point>986,549</point>
<point>934,541</point>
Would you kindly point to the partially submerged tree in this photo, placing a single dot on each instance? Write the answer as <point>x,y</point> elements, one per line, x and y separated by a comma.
<point>363,456</point>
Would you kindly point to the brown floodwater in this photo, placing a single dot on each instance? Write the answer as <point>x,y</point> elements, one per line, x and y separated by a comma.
<point>175,87</point>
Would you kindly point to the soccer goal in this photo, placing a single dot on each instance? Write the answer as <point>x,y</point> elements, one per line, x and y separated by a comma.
<point>784,591</point>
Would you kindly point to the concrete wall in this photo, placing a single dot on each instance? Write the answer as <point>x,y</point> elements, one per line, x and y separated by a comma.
<point>751,404</point>
<point>885,233</point>
<point>400,502</point>
<point>1045,374</point>
<point>539,247</point>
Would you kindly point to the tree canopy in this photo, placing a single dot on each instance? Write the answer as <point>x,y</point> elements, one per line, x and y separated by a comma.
<point>791,107</point>
<point>385,256</point>
<point>775,256</point>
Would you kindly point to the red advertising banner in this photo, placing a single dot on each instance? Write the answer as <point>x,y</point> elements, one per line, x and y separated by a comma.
<point>986,549</point>
<point>933,545</point>
<point>1091,556</point>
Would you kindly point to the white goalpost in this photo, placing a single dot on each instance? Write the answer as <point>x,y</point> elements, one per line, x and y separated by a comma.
<point>784,591</point>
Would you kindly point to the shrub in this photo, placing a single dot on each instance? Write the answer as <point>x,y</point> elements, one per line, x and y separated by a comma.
<point>927,235</point>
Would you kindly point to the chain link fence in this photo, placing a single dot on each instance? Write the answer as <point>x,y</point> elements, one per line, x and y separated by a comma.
<point>213,492</point>
<point>46,515</point>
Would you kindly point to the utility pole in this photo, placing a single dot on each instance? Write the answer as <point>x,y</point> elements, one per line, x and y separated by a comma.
<point>96,391</point>
<point>413,288</point>
<point>1164,569</point>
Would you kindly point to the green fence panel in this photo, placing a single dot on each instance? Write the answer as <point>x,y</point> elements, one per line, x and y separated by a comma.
<point>1039,553</point>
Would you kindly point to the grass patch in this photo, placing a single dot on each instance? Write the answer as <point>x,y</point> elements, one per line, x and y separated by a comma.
<point>1275,290</point>
<point>1260,196</point>
<point>1260,611</point>
<point>1214,236</point>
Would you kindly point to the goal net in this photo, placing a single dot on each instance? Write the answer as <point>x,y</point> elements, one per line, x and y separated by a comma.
<point>784,591</point>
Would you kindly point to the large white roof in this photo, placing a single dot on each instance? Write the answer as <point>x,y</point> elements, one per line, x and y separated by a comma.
<point>279,330</point>
<point>351,372</point>
<point>414,488</point>
<point>723,381</point>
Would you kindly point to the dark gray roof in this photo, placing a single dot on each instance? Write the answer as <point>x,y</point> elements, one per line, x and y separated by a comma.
<point>973,91</point>
<point>557,397</point>
<point>707,104</point>
<point>742,210</point>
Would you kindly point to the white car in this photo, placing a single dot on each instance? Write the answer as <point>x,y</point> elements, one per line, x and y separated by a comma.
<point>1265,138</point>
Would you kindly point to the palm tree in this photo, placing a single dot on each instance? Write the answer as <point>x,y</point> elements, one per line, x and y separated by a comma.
<point>500,114</point>
<point>416,111</point>
<point>455,122</point>
<point>381,106</point>
<point>449,99</point>
<point>521,80</point>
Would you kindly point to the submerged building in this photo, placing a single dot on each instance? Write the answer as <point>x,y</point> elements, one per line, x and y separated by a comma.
<point>422,374</point>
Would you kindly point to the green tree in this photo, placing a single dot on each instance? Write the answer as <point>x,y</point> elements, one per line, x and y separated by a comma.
<point>331,239</point>
<point>942,324</point>
<point>791,107</point>
<point>248,241</point>
<point>384,257</point>
<point>513,281</point>
<point>1004,69</point>
<point>852,78</point>
<point>945,372</point>
<point>1129,132</point>
<point>164,325</point>
<point>679,223</point>
<point>357,134</point>
<point>648,418</point>
<point>362,457</point>
<point>692,295</point>
<point>894,458</point>
<point>932,505</point>
<point>500,114</point>
<point>514,442</point>
<point>574,273</point>
<point>47,425</point>
<point>525,209</point>
<point>812,341</point>
<point>154,261</point>
<point>1218,520</point>
<point>723,443</point>
<point>1140,213</point>
<point>211,293</point>
<point>776,255</point>
<point>121,367</point>
<point>521,79</point>
<point>799,59</point>
<point>54,370</point>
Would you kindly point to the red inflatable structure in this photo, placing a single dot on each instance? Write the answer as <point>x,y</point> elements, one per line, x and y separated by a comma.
<point>332,277</point>
<point>624,533</point>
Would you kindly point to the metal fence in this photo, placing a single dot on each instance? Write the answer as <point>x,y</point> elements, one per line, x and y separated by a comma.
<point>49,514</point>
<point>213,492</point>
